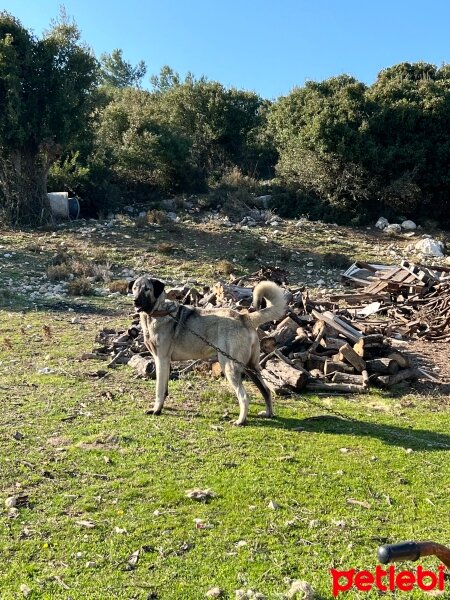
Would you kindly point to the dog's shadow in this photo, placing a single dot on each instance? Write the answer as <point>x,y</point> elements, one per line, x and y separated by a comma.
<point>417,439</point>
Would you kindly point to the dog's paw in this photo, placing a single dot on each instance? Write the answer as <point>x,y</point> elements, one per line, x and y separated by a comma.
<point>239,423</point>
<point>152,411</point>
<point>265,414</point>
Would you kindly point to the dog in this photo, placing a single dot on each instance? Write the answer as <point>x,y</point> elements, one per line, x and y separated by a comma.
<point>169,339</point>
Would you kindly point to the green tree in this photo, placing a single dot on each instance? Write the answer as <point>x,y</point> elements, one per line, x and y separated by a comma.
<point>218,121</point>
<point>321,132</point>
<point>411,130</point>
<point>142,151</point>
<point>116,72</point>
<point>45,101</point>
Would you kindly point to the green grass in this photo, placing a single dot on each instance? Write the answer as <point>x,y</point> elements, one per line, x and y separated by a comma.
<point>88,453</point>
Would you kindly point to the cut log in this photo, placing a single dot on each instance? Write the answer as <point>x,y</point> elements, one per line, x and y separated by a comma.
<point>316,373</point>
<point>120,358</point>
<point>210,298</point>
<point>267,344</point>
<point>280,337</point>
<point>315,362</point>
<point>401,358</point>
<point>332,343</point>
<point>335,388</point>
<point>365,376</point>
<point>319,330</point>
<point>347,378</point>
<point>367,344</point>
<point>288,322</point>
<point>337,367</point>
<point>282,378</point>
<point>347,353</point>
<point>385,366</point>
<point>143,366</point>
<point>390,380</point>
<point>227,291</point>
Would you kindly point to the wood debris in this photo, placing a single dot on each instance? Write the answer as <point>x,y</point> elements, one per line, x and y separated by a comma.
<point>319,345</point>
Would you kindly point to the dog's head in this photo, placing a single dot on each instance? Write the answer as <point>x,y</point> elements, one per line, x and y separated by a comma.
<point>147,293</point>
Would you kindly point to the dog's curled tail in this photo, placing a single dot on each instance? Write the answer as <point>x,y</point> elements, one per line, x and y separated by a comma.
<point>276,303</point>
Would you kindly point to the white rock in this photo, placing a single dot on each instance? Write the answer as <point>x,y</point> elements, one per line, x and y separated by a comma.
<point>214,592</point>
<point>392,229</point>
<point>409,225</point>
<point>382,223</point>
<point>430,247</point>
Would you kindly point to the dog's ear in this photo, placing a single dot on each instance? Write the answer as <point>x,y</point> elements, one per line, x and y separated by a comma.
<point>130,286</point>
<point>158,287</point>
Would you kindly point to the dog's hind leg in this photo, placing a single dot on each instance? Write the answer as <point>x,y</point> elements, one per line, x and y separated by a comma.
<point>256,378</point>
<point>162,383</point>
<point>254,372</point>
<point>234,376</point>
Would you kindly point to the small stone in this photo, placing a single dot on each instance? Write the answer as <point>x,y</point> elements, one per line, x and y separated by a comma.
<point>301,590</point>
<point>392,229</point>
<point>409,225</point>
<point>273,505</point>
<point>91,564</point>
<point>382,223</point>
<point>26,591</point>
<point>214,592</point>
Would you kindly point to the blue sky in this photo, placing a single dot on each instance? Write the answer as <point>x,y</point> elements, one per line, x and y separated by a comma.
<point>265,46</point>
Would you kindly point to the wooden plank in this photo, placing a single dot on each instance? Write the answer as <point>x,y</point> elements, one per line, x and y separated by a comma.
<point>338,325</point>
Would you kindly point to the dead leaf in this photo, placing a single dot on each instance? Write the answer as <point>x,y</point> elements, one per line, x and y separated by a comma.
<point>47,332</point>
<point>7,343</point>
<point>133,560</point>
<point>359,503</point>
<point>88,524</point>
<point>119,530</point>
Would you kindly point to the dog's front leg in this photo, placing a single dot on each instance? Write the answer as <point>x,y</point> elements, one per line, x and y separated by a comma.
<point>162,383</point>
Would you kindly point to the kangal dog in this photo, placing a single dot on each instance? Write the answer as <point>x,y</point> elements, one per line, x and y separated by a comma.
<point>170,339</point>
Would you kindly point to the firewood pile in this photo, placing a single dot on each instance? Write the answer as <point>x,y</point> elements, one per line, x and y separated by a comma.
<point>416,299</point>
<point>318,346</point>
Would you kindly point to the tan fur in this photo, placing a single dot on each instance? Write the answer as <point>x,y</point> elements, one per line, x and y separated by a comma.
<point>274,295</point>
<point>235,334</point>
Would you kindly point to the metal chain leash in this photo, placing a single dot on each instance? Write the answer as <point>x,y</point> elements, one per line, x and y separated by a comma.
<point>315,403</point>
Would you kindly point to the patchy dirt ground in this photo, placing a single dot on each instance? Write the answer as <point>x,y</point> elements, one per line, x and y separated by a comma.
<point>106,513</point>
<point>82,266</point>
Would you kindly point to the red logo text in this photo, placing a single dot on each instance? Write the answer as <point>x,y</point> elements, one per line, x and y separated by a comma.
<point>387,580</point>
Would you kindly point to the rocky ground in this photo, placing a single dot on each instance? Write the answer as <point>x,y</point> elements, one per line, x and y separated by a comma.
<point>189,243</point>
